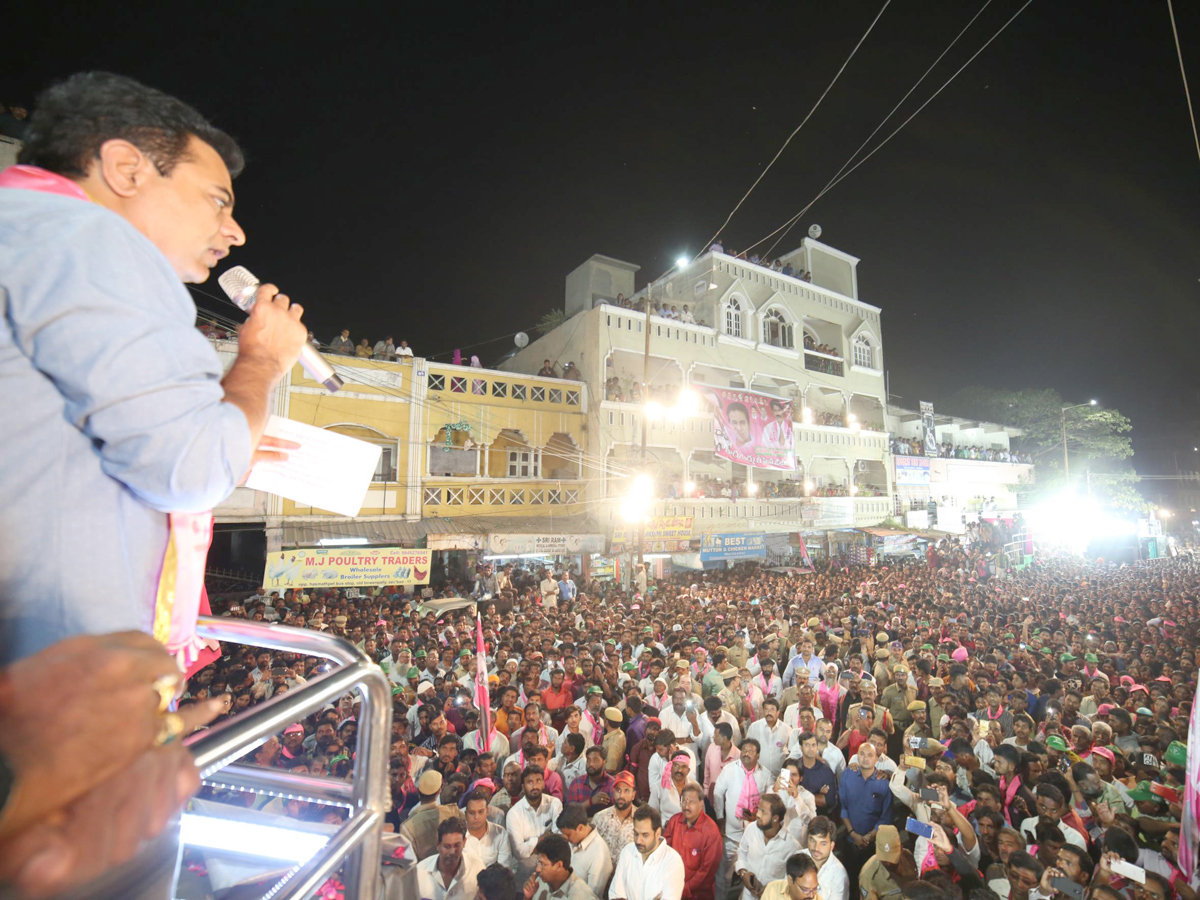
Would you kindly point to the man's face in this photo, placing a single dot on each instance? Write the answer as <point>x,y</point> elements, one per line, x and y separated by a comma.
<point>879,743</point>
<point>771,713</point>
<point>691,805</point>
<point>512,780</point>
<point>740,423</point>
<point>264,661</point>
<point>1049,810</point>
<point>188,214</point>
<point>749,756</point>
<point>1068,864</point>
<point>763,817</point>
<point>679,700</point>
<point>477,814</point>
<point>623,796</point>
<point>988,830</point>
<point>1022,880</point>
<point>594,765</point>
<point>819,847</point>
<point>450,850</point>
<point>824,730</point>
<point>534,785</point>
<point>645,836</point>
<point>867,755</point>
<point>293,741</point>
<point>1006,844</point>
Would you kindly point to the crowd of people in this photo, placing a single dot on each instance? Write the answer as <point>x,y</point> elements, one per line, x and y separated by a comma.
<point>926,731</point>
<point>946,450</point>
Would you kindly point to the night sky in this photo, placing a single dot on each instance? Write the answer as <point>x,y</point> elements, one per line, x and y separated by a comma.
<point>437,175</point>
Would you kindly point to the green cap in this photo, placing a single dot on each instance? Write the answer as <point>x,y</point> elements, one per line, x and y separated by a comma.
<point>1010,636</point>
<point>927,646</point>
<point>413,672</point>
<point>647,630</point>
<point>628,667</point>
<point>594,690</point>
<point>944,656</point>
<point>1046,650</point>
<point>420,654</point>
<point>1068,657</point>
<point>396,690</point>
<point>1143,792</point>
<point>1055,742</point>
<point>464,654</point>
<point>1176,754</point>
<point>611,641</point>
<point>1091,657</point>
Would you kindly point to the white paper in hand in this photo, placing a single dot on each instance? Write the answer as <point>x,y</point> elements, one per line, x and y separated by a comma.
<point>329,471</point>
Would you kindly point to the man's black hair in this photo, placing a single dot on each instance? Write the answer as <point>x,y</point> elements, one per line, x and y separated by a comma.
<point>74,118</point>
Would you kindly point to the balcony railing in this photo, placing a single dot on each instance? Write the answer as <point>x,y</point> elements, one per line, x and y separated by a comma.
<point>357,842</point>
<point>823,363</point>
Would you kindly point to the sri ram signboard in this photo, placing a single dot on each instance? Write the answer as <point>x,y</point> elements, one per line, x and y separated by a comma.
<point>664,534</point>
<point>912,471</point>
<point>338,567</point>
<point>733,546</point>
<point>548,544</point>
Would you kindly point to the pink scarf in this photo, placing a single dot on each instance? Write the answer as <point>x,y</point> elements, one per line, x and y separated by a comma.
<point>666,779</point>
<point>829,699</point>
<point>748,798</point>
<point>1010,791</point>
<point>597,733</point>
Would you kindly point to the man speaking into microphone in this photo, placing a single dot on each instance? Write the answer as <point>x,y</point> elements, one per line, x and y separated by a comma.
<point>119,424</point>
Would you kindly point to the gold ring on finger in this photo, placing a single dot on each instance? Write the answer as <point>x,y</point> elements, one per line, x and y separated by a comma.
<point>166,686</point>
<point>169,729</point>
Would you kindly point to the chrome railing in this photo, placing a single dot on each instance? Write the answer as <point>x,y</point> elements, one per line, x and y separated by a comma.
<point>215,750</point>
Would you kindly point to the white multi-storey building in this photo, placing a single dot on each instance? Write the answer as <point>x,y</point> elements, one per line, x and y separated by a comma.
<point>813,342</point>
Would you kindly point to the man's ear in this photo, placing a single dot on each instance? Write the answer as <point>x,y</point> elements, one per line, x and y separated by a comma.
<point>123,167</point>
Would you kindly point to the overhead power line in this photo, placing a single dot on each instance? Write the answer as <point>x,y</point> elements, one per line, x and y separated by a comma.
<point>1183,74</point>
<point>779,153</point>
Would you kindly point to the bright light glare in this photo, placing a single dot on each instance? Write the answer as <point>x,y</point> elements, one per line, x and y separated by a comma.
<point>342,542</point>
<point>689,486</point>
<point>807,415</point>
<point>642,487</point>
<point>752,488</point>
<point>682,262</point>
<point>654,409</point>
<point>1073,522</point>
<point>688,402</point>
<point>250,838</point>
<point>807,485</point>
<point>1165,514</point>
<point>853,490</point>
<point>1093,402</point>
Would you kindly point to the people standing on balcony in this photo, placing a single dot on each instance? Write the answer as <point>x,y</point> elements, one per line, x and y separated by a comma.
<point>342,343</point>
<point>363,350</point>
<point>686,317</point>
<point>404,350</point>
<point>571,373</point>
<point>547,370</point>
<point>385,349</point>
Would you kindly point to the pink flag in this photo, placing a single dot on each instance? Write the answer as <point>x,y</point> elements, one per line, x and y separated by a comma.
<point>482,700</point>
<point>748,798</point>
<point>1188,834</point>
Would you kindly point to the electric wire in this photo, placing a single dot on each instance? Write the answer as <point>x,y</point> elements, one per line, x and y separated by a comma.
<point>1183,74</point>
<point>787,226</point>
<point>779,153</point>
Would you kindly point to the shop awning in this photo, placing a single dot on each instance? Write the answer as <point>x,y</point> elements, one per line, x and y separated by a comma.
<point>468,532</point>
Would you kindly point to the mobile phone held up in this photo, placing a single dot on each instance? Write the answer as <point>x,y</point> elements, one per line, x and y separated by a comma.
<point>919,828</point>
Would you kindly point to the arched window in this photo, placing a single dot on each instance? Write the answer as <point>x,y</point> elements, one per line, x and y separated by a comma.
<point>733,318</point>
<point>776,330</point>
<point>864,355</point>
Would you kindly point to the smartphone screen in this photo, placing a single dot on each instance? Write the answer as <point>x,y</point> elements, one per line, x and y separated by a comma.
<point>929,794</point>
<point>918,828</point>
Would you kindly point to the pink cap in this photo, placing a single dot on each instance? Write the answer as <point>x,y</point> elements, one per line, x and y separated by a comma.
<point>1104,709</point>
<point>294,729</point>
<point>1120,619</point>
<point>1137,687</point>
<point>1106,753</point>
<point>960,654</point>
<point>1126,679</point>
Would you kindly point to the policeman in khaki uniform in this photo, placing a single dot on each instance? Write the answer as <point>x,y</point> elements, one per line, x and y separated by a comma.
<point>935,708</point>
<point>920,729</point>
<point>875,882</point>
<point>895,698</point>
<point>880,671</point>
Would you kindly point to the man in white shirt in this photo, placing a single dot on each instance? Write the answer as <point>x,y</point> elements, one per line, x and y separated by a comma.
<point>549,589</point>
<point>486,841</point>
<point>449,874</point>
<point>404,349</point>
<point>531,817</point>
<point>572,762</point>
<point>665,797</point>
<point>831,874</point>
<point>764,849</point>
<point>828,751</point>
<point>555,873</point>
<point>590,859</point>
<point>767,682</point>
<point>681,718</point>
<point>649,868</point>
<point>772,735</point>
<point>731,816</point>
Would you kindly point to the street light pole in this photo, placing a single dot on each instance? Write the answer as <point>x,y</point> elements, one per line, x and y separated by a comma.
<point>1063,415</point>
<point>645,423</point>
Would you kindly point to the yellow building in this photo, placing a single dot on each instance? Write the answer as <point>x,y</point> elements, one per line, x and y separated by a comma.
<point>472,460</point>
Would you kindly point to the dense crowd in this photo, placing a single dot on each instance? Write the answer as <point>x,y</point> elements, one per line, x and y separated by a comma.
<point>934,730</point>
<point>946,450</point>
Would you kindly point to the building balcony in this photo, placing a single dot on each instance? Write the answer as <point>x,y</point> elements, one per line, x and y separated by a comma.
<point>500,496</point>
<point>824,363</point>
<point>781,514</point>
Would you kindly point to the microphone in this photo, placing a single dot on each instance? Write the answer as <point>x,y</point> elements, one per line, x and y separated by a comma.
<point>242,288</point>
